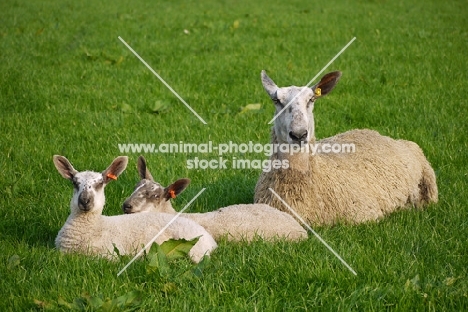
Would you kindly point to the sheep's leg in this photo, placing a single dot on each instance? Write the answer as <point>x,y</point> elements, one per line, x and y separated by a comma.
<point>427,186</point>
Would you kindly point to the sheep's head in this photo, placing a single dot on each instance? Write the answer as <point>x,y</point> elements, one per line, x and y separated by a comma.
<point>88,186</point>
<point>294,123</point>
<point>150,195</point>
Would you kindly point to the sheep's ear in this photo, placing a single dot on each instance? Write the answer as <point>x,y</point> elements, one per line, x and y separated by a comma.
<point>115,169</point>
<point>143,169</point>
<point>64,167</point>
<point>269,85</point>
<point>326,84</point>
<point>176,188</point>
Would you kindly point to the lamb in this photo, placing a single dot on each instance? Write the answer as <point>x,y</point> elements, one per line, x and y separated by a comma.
<point>88,231</point>
<point>243,222</point>
<point>381,175</point>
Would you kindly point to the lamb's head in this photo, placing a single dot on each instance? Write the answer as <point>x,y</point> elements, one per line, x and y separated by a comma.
<point>88,186</point>
<point>150,195</point>
<point>294,123</point>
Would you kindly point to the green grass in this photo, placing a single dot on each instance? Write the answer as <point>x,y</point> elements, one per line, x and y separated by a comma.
<point>68,86</point>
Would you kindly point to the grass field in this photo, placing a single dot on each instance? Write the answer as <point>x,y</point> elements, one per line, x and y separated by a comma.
<point>69,86</point>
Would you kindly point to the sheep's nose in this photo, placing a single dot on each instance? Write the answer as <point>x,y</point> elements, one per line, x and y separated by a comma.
<point>127,207</point>
<point>298,136</point>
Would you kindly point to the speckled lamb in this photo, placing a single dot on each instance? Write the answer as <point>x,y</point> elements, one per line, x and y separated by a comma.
<point>243,222</point>
<point>88,231</point>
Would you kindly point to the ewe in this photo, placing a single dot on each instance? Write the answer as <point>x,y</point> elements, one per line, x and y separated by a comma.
<point>236,222</point>
<point>88,231</point>
<point>380,176</point>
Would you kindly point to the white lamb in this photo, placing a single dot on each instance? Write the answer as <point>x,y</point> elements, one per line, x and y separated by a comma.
<point>88,231</point>
<point>237,222</point>
<point>380,176</point>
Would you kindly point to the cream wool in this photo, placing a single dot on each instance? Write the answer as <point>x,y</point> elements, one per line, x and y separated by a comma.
<point>242,222</point>
<point>88,231</point>
<point>381,176</point>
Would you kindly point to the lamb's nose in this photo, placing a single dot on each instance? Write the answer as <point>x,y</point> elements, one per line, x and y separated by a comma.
<point>298,136</point>
<point>127,207</point>
<point>84,202</point>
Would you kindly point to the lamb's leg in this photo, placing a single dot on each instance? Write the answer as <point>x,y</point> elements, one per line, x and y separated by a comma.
<point>204,246</point>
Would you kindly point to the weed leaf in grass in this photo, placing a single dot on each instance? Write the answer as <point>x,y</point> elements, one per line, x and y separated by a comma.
<point>13,262</point>
<point>102,56</point>
<point>250,107</point>
<point>94,301</point>
<point>160,255</point>
<point>87,302</point>
<point>44,305</point>
<point>157,261</point>
<point>62,303</point>
<point>449,281</point>
<point>129,299</point>
<point>175,249</point>
<point>169,288</point>
<point>89,56</point>
<point>109,60</point>
<point>70,306</point>
<point>200,267</point>
<point>159,107</point>
<point>125,108</point>
<point>413,284</point>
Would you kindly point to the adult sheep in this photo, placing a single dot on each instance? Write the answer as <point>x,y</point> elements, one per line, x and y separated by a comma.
<point>379,177</point>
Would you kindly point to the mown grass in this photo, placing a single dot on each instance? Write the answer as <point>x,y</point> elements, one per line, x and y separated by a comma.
<point>68,86</point>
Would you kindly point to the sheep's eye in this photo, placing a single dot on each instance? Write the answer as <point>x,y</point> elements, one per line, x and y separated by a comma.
<point>75,183</point>
<point>155,196</point>
<point>278,102</point>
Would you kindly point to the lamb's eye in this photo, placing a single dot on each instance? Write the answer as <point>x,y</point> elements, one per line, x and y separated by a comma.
<point>76,183</point>
<point>155,196</point>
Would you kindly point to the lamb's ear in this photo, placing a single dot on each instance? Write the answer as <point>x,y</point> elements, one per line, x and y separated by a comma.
<point>115,169</point>
<point>143,169</point>
<point>64,167</point>
<point>269,85</point>
<point>326,84</point>
<point>176,188</point>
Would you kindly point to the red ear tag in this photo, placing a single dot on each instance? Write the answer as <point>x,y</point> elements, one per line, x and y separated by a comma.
<point>172,194</point>
<point>111,176</point>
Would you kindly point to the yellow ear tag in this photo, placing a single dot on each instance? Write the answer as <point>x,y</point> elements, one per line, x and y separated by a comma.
<point>318,92</point>
<point>111,176</point>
